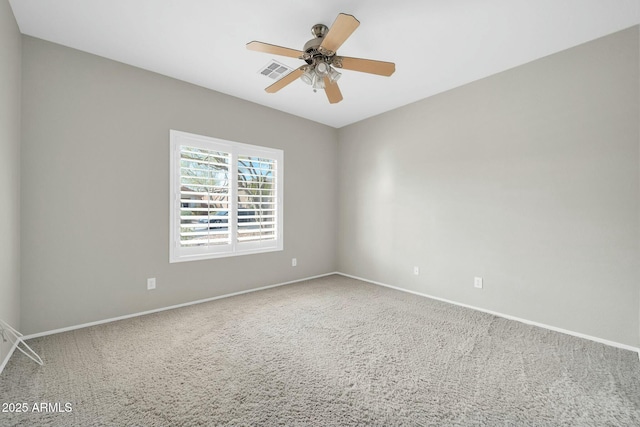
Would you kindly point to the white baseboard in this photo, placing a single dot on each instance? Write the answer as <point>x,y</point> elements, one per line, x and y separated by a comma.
<point>506,316</point>
<point>8,356</point>
<point>142,313</point>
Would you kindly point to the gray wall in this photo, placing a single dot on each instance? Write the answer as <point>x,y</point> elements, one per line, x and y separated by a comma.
<point>95,189</point>
<point>10,48</point>
<point>528,178</point>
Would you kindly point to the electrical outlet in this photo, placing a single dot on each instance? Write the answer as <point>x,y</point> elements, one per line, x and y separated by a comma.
<point>416,270</point>
<point>151,283</point>
<point>477,282</point>
<point>294,262</point>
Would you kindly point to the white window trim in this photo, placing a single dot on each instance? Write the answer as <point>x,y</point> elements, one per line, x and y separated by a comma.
<point>235,248</point>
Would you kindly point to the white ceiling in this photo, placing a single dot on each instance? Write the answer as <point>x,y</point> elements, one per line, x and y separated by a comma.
<point>436,44</point>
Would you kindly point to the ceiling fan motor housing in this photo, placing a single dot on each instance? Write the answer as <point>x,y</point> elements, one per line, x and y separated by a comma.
<point>311,50</point>
<point>313,53</point>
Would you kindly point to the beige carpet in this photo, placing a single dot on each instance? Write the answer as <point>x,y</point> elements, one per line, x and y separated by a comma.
<point>327,352</point>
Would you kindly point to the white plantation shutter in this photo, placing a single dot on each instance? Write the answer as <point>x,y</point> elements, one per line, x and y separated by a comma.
<point>226,198</point>
<point>257,199</point>
<point>204,197</point>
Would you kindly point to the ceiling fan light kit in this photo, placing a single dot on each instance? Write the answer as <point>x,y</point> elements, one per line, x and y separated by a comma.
<point>314,75</point>
<point>321,59</point>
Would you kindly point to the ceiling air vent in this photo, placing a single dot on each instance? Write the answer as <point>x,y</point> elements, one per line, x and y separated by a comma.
<point>274,70</point>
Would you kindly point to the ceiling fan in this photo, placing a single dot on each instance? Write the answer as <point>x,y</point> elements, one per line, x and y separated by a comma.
<point>321,59</point>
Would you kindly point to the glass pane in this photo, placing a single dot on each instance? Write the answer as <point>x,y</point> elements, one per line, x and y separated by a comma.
<point>256,199</point>
<point>204,197</point>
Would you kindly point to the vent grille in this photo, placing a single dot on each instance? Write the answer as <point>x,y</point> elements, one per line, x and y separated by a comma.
<point>274,70</point>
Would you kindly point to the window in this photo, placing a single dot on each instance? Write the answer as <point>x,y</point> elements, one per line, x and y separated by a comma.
<point>226,198</point>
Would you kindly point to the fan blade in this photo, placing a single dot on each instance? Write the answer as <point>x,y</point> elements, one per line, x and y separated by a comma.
<point>289,78</point>
<point>272,48</point>
<point>340,31</point>
<point>332,90</point>
<point>370,66</point>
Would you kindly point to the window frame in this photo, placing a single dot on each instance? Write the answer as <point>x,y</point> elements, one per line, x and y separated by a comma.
<point>178,253</point>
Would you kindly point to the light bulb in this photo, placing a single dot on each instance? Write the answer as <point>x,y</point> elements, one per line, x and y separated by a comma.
<point>322,69</point>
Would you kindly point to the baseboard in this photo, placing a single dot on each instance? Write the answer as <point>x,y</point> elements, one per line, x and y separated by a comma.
<point>157,310</point>
<point>506,316</point>
<point>8,356</point>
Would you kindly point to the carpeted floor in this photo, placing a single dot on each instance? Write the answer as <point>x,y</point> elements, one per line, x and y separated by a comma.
<point>327,352</point>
